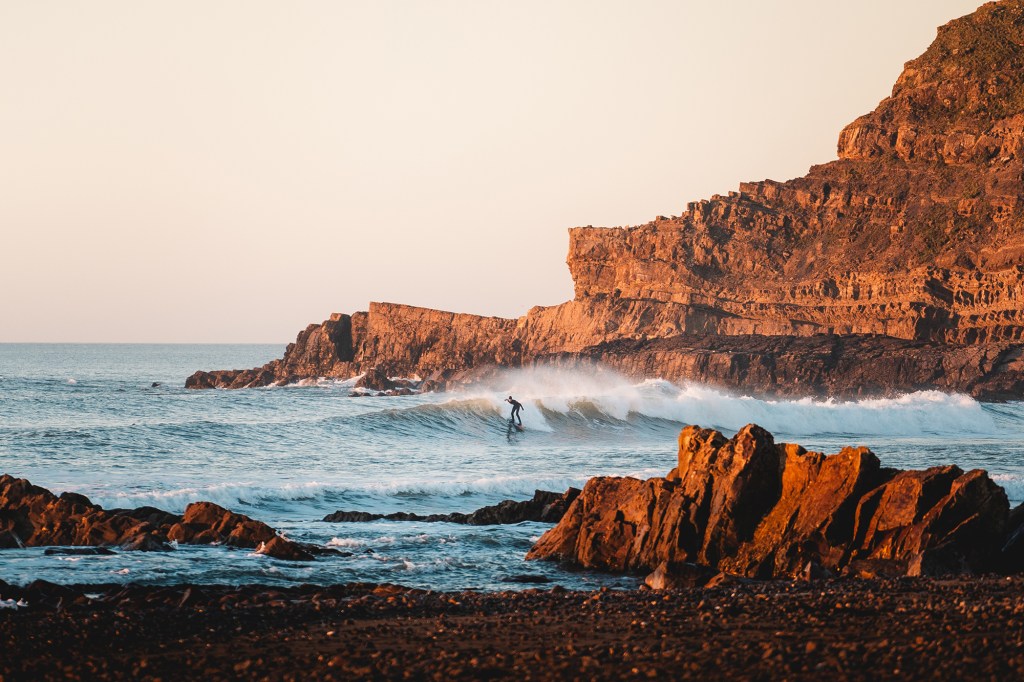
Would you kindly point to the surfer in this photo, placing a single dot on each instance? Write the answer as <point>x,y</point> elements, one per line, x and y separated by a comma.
<point>516,406</point>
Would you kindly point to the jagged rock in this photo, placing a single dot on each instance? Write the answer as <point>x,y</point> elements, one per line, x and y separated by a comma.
<point>206,522</point>
<point>341,516</point>
<point>31,516</point>
<point>678,575</point>
<point>910,243</point>
<point>376,379</point>
<point>285,550</point>
<point>546,507</point>
<point>753,508</point>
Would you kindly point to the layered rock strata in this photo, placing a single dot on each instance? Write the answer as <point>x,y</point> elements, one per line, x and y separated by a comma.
<point>31,516</point>
<point>750,507</point>
<point>916,233</point>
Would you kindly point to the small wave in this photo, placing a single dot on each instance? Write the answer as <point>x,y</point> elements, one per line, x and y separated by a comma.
<point>1013,484</point>
<point>225,494</point>
<point>346,542</point>
<point>233,495</point>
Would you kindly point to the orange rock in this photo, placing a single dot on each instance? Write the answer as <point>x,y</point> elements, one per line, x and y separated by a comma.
<point>31,516</point>
<point>750,507</point>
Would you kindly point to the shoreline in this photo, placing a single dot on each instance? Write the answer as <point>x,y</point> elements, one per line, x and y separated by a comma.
<point>908,628</point>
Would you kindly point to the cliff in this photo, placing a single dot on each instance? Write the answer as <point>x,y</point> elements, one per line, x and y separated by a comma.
<point>915,233</point>
<point>751,507</point>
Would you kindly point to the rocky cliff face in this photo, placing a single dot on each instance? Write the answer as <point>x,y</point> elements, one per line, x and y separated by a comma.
<point>751,507</point>
<point>916,232</point>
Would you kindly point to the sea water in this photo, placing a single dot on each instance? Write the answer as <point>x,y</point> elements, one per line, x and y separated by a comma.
<point>115,423</point>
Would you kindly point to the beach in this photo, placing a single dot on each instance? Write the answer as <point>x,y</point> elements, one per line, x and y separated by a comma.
<point>908,629</point>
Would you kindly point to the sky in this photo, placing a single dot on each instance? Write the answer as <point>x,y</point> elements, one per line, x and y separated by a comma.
<point>229,172</point>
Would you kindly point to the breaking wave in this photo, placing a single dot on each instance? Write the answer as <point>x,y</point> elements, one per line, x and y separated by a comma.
<point>557,401</point>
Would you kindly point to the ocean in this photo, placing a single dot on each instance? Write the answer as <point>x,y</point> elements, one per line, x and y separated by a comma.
<point>114,422</point>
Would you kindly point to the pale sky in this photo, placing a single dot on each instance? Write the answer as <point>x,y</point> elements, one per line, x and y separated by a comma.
<point>231,171</point>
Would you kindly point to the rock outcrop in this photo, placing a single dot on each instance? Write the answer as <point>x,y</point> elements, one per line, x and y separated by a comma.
<point>749,507</point>
<point>832,365</point>
<point>545,507</point>
<point>31,516</point>
<point>915,233</point>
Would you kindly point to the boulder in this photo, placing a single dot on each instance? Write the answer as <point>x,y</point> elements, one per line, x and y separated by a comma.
<point>376,379</point>
<point>678,575</point>
<point>206,523</point>
<point>285,550</point>
<point>752,508</point>
<point>31,516</point>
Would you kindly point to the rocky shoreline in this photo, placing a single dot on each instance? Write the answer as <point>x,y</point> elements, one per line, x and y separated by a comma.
<point>905,629</point>
<point>748,506</point>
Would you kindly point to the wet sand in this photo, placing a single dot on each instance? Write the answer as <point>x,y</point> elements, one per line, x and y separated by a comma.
<point>967,628</point>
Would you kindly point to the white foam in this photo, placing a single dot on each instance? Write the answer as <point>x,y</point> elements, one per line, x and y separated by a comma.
<point>345,542</point>
<point>11,604</point>
<point>602,394</point>
<point>233,495</point>
<point>224,494</point>
<point>1013,484</point>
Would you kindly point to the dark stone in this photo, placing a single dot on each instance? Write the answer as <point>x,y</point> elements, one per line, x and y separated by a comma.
<point>545,507</point>
<point>526,578</point>
<point>78,551</point>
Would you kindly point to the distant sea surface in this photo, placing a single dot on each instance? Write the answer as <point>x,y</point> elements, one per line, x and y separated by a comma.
<point>89,419</point>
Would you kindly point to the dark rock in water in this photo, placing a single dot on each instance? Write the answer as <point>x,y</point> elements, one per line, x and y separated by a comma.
<point>753,508</point>
<point>78,551</point>
<point>352,517</point>
<point>286,550</point>
<point>376,379</point>
<point>546,507</point>
<point>155,384</point>
<point>526,578</point>
<point>206,522</point>
<point>31,516</point>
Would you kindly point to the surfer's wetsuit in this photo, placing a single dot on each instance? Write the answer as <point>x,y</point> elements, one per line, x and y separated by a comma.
<point>516,406</point>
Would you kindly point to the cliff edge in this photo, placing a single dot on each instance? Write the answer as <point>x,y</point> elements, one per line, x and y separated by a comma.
<point>911,241</point>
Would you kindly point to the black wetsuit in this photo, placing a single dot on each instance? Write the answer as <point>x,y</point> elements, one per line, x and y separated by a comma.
<point>516,406</point>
